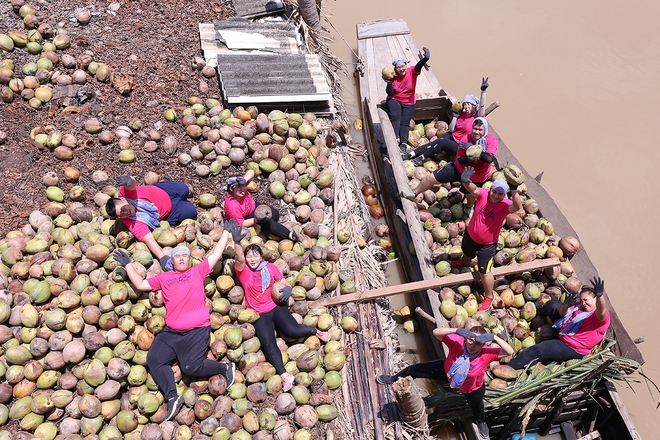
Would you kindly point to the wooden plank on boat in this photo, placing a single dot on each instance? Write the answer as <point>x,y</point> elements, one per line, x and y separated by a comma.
<point>621,408</point>
<point>433,283</point>
<point>381,28</point>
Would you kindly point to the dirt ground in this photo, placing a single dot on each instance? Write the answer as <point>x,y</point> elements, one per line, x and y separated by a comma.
<point>151,42</point>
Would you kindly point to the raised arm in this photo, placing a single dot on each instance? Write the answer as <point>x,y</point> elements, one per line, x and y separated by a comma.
<point>219,248</point>
<point>598,287</point>
<point>482,100</point>
<point>248,176</point>
<point>420,64</point>
<point>473,189</point>
<point>237,234</point>
<point>124,258</point>
<point>127,182</point>
<point>517,201</point>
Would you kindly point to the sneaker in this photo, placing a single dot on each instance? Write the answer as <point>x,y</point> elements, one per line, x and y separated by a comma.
<point>407,156</point>
<point>173,407</point>
<point>485,304</point>
<point>296,234</point>
<point>408,194</point>
<point>230,374</point>
<point>483,430</point>
<point>403,147</point>
<point>418,161</point>
<point>384,379</point>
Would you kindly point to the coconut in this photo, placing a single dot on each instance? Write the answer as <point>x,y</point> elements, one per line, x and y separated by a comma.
<point>569,246</point>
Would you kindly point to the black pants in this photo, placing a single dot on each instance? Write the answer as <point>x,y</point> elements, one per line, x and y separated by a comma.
<point>189,347</point>
<point>444,143</point>
<point>273,226</point>
<point>552,350</point>
<point>436,370</point>
<point>400,116</point>
<point>279,318</point>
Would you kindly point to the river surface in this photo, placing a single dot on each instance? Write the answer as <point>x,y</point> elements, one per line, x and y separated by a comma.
<point>574,80</point>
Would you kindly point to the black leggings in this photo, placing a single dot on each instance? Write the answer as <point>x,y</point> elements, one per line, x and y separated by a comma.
<point>553,350</point>
<point>189,347</point>
<point>444,143</point>
<point>279,318</point>
<point>400,116</point>
<point>273,226</point>
<point>436,370</point>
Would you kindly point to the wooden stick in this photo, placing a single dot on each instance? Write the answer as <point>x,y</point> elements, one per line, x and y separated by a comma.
<point>424,315</point>
<point>591,436</point>
<point>433,283</point>
<point>492,107</point>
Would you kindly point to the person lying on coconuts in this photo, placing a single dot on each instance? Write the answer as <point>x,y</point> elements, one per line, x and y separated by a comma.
<point>581,327</point>
<point>483,230</point>
<point>186,335</point>
<point>240,206</point>
<point>478,151</point>
<point>401,96</point>
<point>459,129</point>
<point>263,284</point>
<point>463,368</point>
<point>141,208</point>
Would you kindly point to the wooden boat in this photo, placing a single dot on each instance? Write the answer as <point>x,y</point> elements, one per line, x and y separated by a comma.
<point>379,42</point>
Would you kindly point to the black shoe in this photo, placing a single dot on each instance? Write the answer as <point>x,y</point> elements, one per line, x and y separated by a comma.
<point>407,156</point>
<point>403,147</point>
<point>418,161</point>
<point>230,374</point>
<point>384,379</point>
<point>483,430</point>
<point>173,407</point>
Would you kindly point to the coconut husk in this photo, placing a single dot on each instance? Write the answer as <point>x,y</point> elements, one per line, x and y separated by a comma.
<point>410,403</point>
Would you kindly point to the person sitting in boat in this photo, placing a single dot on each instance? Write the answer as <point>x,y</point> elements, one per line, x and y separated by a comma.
<point>459,129</point>
<point>581,327</point>
<point>451,172</point>
<point>257,278</point>
<point>401,97</point>
<point>240,206</point>
<point>464,367</point>
<point>480,238</point>
<point>141,208</point>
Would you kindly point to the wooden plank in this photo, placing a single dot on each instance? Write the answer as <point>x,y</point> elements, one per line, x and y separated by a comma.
<point>321,97</point>
<point>434,283</point>
<point>380,28</point>
<point>621,408</point>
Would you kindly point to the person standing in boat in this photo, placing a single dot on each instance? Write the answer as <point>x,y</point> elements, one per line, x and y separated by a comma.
<point>480,238</point>
<point>401,97</point>
<point>459,129</point>
<point>239,205</point>
<point>581,327</point>
<point>452,171</point>
<point>463,368</point>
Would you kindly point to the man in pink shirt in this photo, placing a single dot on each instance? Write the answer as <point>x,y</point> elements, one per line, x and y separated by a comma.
<point>186,335</point>
<point>141,208</point>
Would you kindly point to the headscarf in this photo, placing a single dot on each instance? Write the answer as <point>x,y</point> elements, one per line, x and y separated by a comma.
<point>501,185</point>
<point>396,61</point>
<point>574,318</point>
<point>460,368</point>
<point>482,139</point>
<point>472,100</point>
<point>234,181</point>
<point>180,250</point>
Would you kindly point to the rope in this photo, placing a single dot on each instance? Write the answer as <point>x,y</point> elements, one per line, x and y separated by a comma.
<point>360,64</point>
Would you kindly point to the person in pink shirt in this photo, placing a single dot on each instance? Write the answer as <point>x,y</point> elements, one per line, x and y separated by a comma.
<point>239,205</point>
<point>141,208</point>
<point>464,367</point>
<point>460,128</point>
<point>186,335</point>
<point>480,238</point>
<point>257,277</point>
<point>401,97</point>
<point>581,327</point>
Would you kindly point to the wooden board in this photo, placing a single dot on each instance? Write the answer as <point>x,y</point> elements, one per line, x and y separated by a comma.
<point>381,28</point>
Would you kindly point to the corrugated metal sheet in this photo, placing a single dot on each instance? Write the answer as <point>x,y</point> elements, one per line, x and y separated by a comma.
<point>257,8</point>
<point>261,73</point>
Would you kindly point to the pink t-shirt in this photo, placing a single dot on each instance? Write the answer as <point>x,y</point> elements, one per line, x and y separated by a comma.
<point>481,168</point>
<point>463,127</point>
<point>184,296</point>
<point>590,334</point>
<point>486,223</point>
<point>152,194</point>
<point>404,87</point>
<point>255,299</point>
<point>239,209</point>
<point>478,365</point>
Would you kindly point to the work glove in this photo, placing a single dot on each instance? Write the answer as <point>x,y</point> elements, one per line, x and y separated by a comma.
<point>598,286</point>
<point>122,257</point>
<point>285,294</point>
<point>484,84</point>
<point>124,180</point>
<point>467,334</point>
<point>486,337</point>
<point>464,145</point>
<point>237,233</point>
<point>468,172</point>
<point>166,262</point>
<point>427,53</point>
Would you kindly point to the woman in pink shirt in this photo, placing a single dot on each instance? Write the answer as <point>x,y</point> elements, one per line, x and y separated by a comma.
<point>401,97</point>
<point>581,327</point>
<point>257,277</point>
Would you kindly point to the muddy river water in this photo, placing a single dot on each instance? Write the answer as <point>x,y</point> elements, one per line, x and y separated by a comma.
<point>578,84</point>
